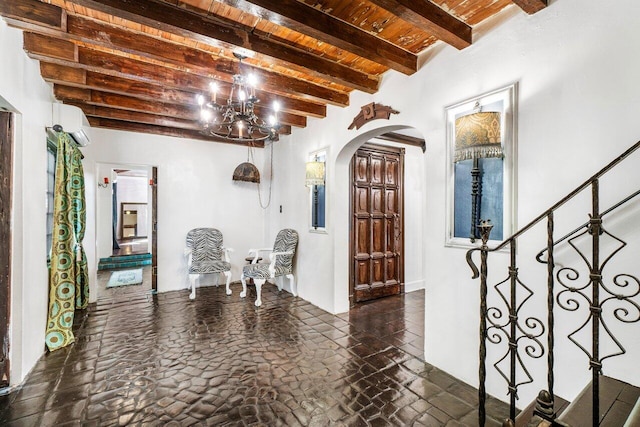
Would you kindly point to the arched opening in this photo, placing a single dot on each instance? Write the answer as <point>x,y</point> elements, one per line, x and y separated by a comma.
<point>415,200</point>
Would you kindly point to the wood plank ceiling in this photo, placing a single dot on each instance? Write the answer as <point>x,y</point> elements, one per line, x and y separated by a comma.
<point>138,65</point>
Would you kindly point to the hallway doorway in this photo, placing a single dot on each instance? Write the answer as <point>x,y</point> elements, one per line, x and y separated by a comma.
<point>127,218</point>
<point>377,228</point>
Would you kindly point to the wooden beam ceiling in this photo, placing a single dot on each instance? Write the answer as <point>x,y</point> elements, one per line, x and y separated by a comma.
<point>328,29</point>
<point>139,65</point>
<point>220,31</point>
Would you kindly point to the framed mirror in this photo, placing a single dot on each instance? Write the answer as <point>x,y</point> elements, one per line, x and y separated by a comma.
<point>133,220</point>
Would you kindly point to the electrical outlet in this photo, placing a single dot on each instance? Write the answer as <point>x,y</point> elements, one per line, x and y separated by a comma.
<point>280,208</point>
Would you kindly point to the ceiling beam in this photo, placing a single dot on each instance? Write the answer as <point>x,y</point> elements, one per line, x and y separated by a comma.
<point>531,6</point>
<point>201,62</point>
<point>162,130</point>
<point>218,31</point>
<point>49,49</point>
<point>312,22</point>
<point>404,139</point>
<point>431,18</point>
<point>134,116</point>
<point>146,118</point>
<point>34,11</point>
<point>78,77</point>
<point>128,103</point>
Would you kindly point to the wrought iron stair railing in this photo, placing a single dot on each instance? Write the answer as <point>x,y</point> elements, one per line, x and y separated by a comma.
<point>526,336</point>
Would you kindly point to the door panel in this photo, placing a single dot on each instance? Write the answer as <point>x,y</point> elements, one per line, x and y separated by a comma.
<point>377,201</point>
<point>376,165</point>
<point>362,202</point>
<point>360,169</point>
<point>377,224</point>
<point>362,273</point>
<point>377,236</point>
<point>362,237</point>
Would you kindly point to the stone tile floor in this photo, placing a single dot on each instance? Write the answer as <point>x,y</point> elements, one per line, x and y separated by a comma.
<point>144,359</point>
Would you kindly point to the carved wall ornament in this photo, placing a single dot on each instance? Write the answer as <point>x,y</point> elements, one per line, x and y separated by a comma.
<point>372,111</point>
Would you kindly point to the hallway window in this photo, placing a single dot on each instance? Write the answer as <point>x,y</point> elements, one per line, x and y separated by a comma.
<point>317,186</point>
<point>480,166</point>
<point>51,176</point>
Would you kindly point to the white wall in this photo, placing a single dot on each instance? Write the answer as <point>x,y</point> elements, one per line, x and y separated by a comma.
<point>195,189</point>
<point>578,102</point>
<point>25,93</point>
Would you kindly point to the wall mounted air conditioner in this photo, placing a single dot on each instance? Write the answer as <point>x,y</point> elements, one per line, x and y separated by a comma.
<point>73,121</point>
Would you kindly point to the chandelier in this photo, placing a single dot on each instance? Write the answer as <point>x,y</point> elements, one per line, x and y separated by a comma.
<point>235,120</point>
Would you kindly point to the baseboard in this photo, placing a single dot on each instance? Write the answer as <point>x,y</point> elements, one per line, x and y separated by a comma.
<point>414,286</point>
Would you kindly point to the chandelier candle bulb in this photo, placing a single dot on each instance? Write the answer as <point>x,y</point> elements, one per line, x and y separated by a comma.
<point>213,87</point>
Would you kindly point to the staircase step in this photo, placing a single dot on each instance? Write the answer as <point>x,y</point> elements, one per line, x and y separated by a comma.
<point>527,419</point>
<point>124,261</point>
<point>119,258</point>
<point>634,416</point>
<point>617,400</point>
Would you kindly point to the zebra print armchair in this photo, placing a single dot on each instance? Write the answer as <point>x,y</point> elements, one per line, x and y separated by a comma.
<point>207,255</point>
<point>281,264</point>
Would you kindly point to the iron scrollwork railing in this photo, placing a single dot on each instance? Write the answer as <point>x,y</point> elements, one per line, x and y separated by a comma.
<point>524,336</point>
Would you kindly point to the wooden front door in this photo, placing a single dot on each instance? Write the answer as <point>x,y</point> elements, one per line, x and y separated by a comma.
<point>6,172</point>
<point>377,225</point>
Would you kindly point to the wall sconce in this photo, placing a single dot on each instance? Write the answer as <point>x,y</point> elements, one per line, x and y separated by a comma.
<point>477,137</point>
<point>105,183</point>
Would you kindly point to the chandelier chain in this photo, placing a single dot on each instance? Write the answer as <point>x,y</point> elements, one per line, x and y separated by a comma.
<point>262,205</point>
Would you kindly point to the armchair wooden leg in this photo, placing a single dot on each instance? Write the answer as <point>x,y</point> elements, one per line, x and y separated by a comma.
<point>258,283</point>
<point>193,278</point>
<point>244,286</point>
<point>228,274</point>
<point>292,282</point>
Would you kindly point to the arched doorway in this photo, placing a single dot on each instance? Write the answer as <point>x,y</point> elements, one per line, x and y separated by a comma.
<point>414,212</point>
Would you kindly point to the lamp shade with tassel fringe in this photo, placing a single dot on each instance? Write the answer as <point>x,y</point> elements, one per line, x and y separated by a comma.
<point>478,136</point>
<point>314,173</point>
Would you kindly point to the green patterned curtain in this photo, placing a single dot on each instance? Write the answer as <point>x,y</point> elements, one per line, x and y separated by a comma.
<point>68,278</point>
